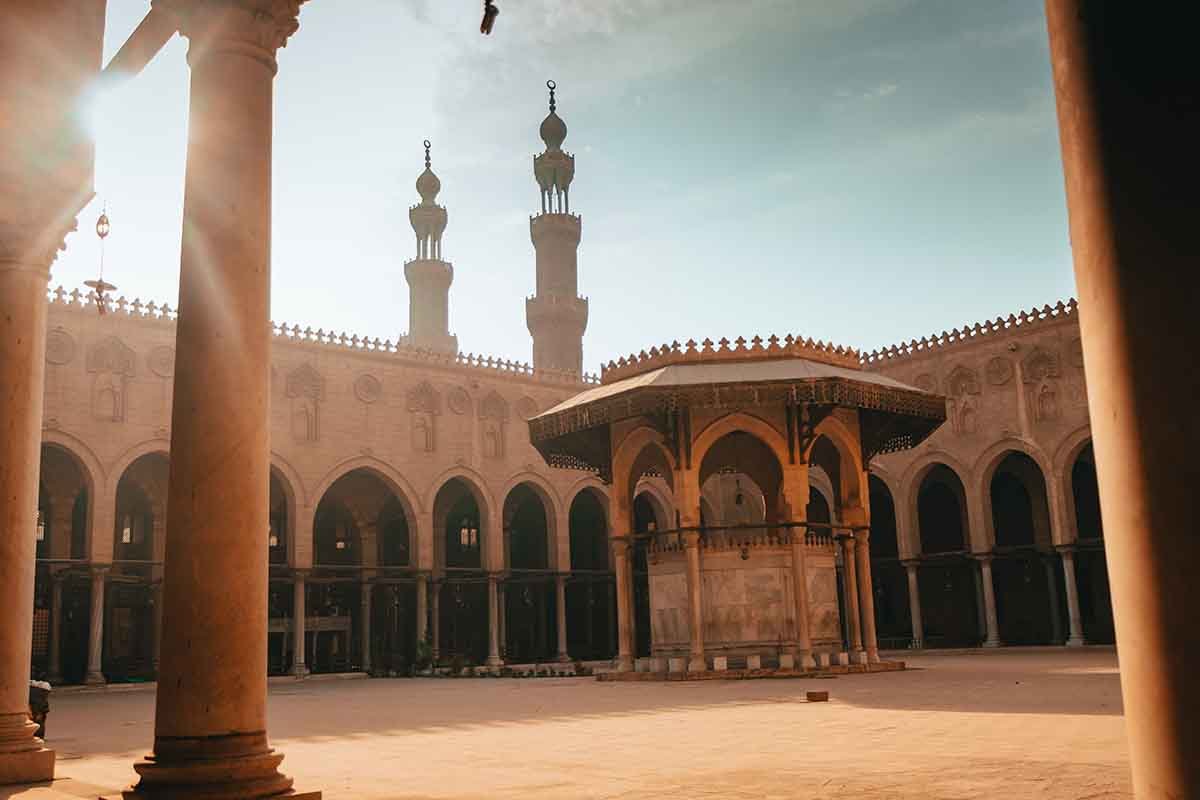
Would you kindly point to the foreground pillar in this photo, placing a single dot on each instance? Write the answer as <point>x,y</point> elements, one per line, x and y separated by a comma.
<point>23,759</point>
<point>914,604</point>
<point>95,665</point>
<point>1128,94</point>
<point>560,606</point>
<point>493,657</point>
<point>989,601</point>
<point>866,594</point>
<point>1074,618</point>
<point>210,727</point>
<point>624,580</point>
<point>696,661</point>
<point>299,623</point>
<point>850,589</point>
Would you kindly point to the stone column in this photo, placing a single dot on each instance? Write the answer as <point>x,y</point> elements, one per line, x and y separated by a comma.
<point>624,580</point>
<point>435,613</point>
<point>157,594</point>
<point>1074,619</point>
<point>696,662</point>
<point>56,587</point>
<point>493,658</point>
<point>422,608</point>
<point>1126,89</point>
<point>850,576</point>
<point>1052,593</point>
<point>804,656</point>
<point>560,606</point>
<point>502,616</point>
<point>24,271</point>
<point>210,724</point>
<point>299,621</point>
<point>366,592</point>
<point>95,665</point>
<point>989,601</point>
<point>914,604</point>
<point>866,594</point>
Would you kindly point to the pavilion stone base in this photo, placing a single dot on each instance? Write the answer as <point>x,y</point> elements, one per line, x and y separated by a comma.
<point>27,766</point>
<point>747,596</point>
<point>752,674</point>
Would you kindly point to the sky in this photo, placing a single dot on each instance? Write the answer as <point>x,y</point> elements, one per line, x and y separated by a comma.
<point>860,171</point>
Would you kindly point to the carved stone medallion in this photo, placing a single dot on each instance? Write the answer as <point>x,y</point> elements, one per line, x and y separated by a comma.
<point>60,347</point>
<point>367,388</point>
<point>161,361</point>
<point>458,400</point>
<point>527,407</point>
<point>999,371</point>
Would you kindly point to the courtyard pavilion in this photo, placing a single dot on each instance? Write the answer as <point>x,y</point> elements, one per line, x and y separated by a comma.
<point>759,575</point>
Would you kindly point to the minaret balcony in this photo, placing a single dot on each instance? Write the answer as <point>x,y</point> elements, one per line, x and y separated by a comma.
<point>556,226</point>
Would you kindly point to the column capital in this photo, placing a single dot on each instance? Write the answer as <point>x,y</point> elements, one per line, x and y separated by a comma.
<point>99,570</point>
<point>31,242</point>
<point>257,28</point>
<point>301,574</point>
<point>691,539</point>
<point>1065,549</point>
<point>983,558</point>
<point>911,563</point>
<point>620,545</point>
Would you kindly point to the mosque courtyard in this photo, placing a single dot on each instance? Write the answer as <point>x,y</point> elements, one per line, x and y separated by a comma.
<point>1017,723</point>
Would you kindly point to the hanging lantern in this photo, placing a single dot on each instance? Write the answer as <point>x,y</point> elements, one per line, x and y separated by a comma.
<point>99,286</point>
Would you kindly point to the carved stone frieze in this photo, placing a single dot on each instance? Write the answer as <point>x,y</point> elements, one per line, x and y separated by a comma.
<point>1075,353</point>
<point>493,416</point>
<point>999,371</point>
<point>527,407</point>
<point>424,406</point>
<point>306,390</point>
<point>925,382</point>
<point>60,347</point>
<point>962,381</point>
<point>113,363</point>
<point>1039,365</point>
<point>458,400</point>
<point>367,388</point>
<point>161,361</point>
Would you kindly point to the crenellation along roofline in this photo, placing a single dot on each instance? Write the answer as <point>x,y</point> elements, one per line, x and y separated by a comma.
<point>968,334</point>
<point>152,313</point>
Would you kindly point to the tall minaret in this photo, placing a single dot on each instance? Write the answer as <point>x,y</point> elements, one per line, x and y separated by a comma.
<point>556,316</point>
<point>429,277</point>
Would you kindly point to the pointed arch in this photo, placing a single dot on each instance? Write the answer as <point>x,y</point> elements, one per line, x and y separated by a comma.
<point>740,421</point>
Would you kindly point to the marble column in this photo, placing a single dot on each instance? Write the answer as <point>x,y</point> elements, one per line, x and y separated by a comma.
<point>1074,619</point>
<point>622,564</point>
<point>914,604</point>
<point>95,664</point>
<point>866,594</point>
<point>1126,85</point>
<point>55,666</point>
<point>850,590</point>
<point>502,617</point>
<point>695,588</point>
<point>24,271</point>
<point>422,608</point>
<point>560,606</point>
<point>493,657</point>
<point>1052,594</point>
<point>210,726</point>
<point>157,593</point>
<point>804,656</point>
<point>366,592</point>
<point>989,601</point>
<point>299,622</point>
<point>435,613</point>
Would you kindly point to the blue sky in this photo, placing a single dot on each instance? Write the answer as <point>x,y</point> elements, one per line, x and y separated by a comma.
<point>864,171</point>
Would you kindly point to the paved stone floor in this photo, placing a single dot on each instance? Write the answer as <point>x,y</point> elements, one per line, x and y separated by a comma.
<point>1013,724</point>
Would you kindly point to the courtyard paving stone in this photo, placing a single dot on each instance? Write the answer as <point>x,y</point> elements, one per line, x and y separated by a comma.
<point>1041,724</point>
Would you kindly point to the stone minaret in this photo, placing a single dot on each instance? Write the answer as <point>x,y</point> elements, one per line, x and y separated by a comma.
<point>556,316</point>
<point>429,277</point>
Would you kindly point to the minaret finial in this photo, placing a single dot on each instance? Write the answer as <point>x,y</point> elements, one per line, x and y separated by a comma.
<point>427,162</point>
<point>551,85</point>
